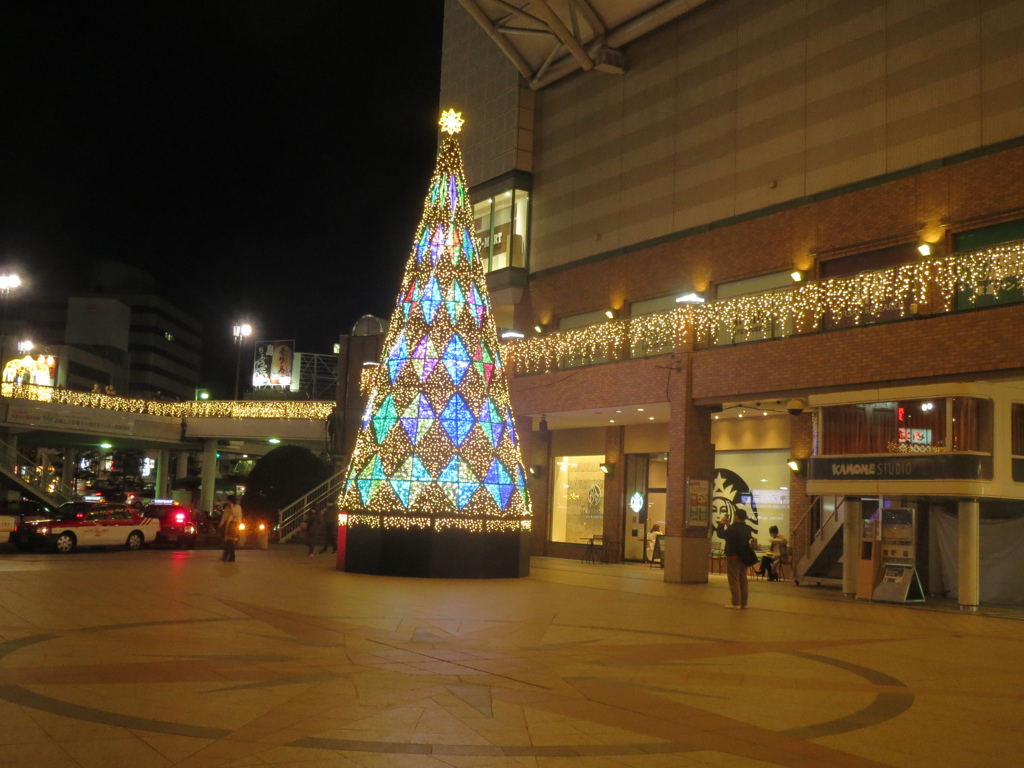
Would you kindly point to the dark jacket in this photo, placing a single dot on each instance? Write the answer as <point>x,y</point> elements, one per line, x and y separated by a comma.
<point>735,536</point>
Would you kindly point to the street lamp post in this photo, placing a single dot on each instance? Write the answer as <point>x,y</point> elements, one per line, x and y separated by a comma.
<point>7,282</point>
<point>241,332</point>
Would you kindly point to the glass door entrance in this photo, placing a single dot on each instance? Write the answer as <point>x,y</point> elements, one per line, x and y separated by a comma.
<point>644,504</point>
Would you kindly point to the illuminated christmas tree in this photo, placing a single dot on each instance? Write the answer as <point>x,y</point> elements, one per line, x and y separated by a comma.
<point>435,485</point>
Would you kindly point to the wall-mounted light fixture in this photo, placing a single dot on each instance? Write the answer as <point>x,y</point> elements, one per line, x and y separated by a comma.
<point>537,470</point>
<point>610,314</point>
<point>512,335</point>
<point>795,464</point>
<point>539,328</point>
<point>797,275</point>
<point>608,468</point>
<point>925,249</point>
<point>693,297</point>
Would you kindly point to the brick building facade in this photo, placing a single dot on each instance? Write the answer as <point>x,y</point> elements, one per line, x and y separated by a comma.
<point>870,149</point>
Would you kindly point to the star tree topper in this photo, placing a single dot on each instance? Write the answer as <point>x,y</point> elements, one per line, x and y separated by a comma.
<point>451,121</point>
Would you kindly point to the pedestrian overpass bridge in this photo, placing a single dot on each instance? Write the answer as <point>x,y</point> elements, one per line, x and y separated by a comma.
<point>64,420</point>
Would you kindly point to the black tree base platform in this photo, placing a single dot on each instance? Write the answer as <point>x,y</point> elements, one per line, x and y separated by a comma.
<point>449,554</point>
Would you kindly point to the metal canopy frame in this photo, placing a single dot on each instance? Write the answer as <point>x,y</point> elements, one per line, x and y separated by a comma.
<point>549,39</point>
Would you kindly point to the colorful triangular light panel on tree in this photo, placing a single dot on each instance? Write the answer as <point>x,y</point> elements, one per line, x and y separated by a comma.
<point>384,419</point>
<point>398,357</point>
<point>455,302</point>
<point>417,418</point>
<point>424,358</point>
<point>458,481</point>
<point>457,419</point>
<point>477,304</point>
<point>483,361</point>
<point>370,479</point>
<point>431,300</point>
<point>499,483</point>
<point>491,422</point>
<point>409,480</point>
<point>456,359</point>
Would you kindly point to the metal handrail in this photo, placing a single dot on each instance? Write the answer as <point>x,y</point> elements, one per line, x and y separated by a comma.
<point>833,516</point>
<point>12,459</point>
<point>816,534</point>
<point>290,517</point>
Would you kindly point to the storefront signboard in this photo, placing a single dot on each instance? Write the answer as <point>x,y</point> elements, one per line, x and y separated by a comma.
<point>946,466</point>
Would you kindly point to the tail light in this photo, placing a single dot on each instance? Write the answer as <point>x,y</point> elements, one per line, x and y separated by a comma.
<point>179,517</point>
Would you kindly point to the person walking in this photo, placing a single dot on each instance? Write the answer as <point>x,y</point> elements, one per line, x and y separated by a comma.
<point>737,537</point>
<point>229,521</point>
<point>330,531</point>
<point>314,529</point>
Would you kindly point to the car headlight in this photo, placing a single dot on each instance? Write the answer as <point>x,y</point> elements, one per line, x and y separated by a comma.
<point>190,529</point>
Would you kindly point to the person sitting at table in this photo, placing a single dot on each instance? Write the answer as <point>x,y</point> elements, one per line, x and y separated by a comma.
<point>773,555</point>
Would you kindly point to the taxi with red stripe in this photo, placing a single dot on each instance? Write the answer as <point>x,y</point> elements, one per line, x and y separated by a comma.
<point>87,524</point>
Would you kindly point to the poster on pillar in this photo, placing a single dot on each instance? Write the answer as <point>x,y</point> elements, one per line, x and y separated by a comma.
<point>697,508</point>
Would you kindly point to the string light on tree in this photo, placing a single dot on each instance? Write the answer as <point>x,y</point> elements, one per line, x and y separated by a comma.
<point>437,450</point>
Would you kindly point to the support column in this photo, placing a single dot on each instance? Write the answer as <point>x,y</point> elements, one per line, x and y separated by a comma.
<point>181,465</point>
<point>853,527</point>
<point>691,456</point>
<point>209,480</point>
<point>969,554</point>
<point>614,439</point>
<point>163,458</point>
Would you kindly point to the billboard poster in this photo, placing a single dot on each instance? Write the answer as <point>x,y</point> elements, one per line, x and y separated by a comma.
<point>39,371</point>
<point>272,366</point>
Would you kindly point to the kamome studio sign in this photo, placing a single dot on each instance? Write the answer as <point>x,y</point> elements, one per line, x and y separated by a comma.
<point>954,466</point>
<point>70,418</point>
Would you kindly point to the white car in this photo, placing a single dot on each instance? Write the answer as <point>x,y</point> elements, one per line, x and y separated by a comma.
<point>88,524</point>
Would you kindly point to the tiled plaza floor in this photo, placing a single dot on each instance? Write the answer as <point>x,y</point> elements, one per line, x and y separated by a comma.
<point>159,658</point>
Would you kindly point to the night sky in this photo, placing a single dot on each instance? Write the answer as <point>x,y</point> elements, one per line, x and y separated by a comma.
<point>261,158</point>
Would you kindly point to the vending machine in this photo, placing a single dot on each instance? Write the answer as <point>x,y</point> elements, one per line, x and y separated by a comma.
<point>898,581</point>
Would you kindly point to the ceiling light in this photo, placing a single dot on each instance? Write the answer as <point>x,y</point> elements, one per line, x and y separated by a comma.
<point>694,297</point>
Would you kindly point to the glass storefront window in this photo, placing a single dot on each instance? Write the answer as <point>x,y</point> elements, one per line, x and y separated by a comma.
<point>1017,429</point>
<point>577,510</point>
<point>972,425</point>
<point>502,228</point>
<point>908,426</point>
<point>905,426</point>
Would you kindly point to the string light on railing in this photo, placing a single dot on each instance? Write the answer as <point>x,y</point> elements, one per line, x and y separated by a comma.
<point>222,409</point>
<point>900,291</point>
